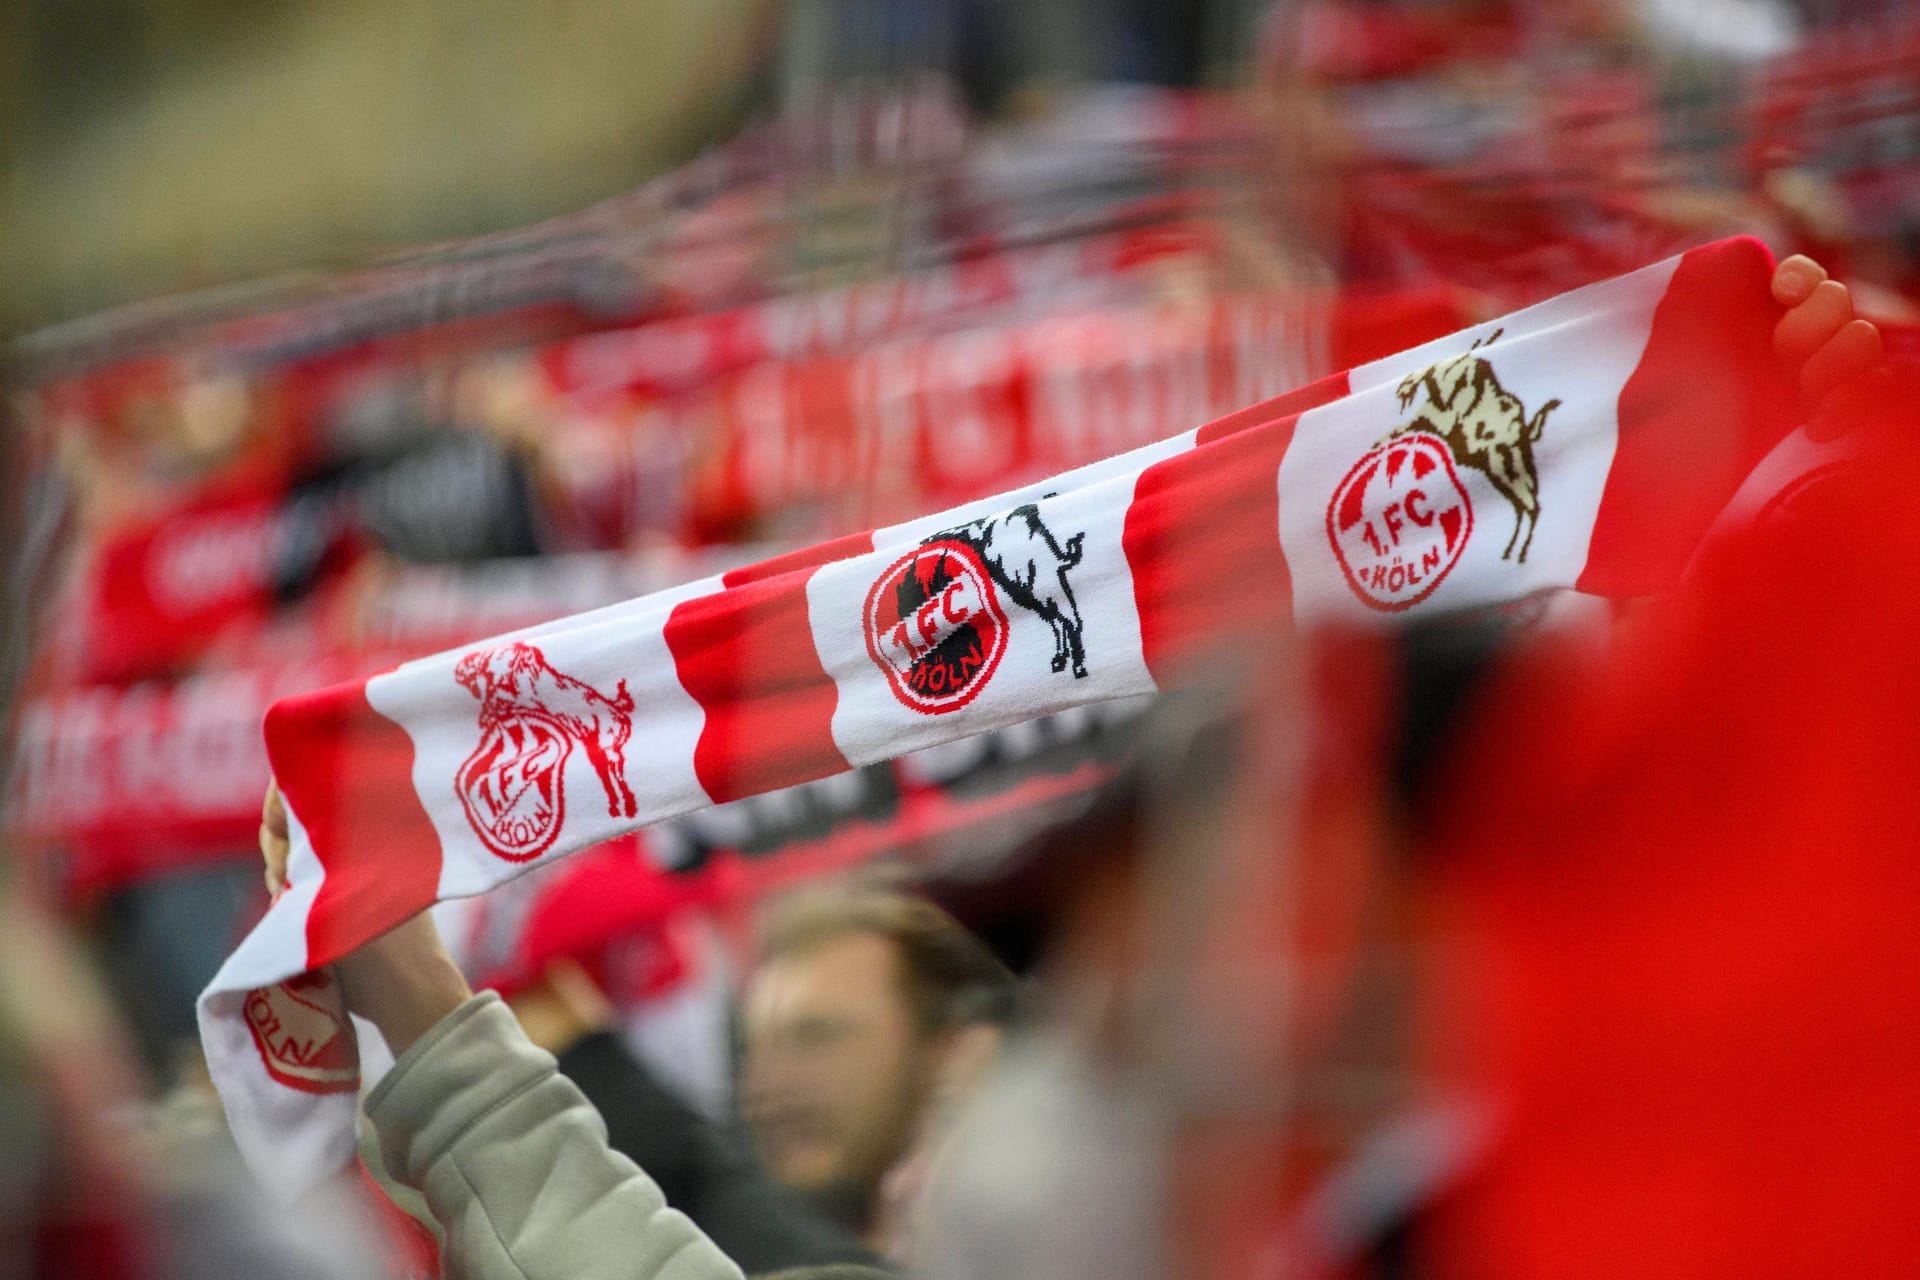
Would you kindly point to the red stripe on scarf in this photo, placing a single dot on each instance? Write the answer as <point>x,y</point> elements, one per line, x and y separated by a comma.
<point>347,772</point>
<point>1328,389</point>
<point>843,548</point>
<point>1192,580</point>
<point>1691,428</point>
<point>747,657</point>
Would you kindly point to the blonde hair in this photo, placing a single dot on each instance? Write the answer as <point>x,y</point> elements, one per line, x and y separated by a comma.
<point>951,978</point>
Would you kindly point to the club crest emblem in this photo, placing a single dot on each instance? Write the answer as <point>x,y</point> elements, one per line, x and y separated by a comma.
<point>934,625</point>
<point>304,1036</point>
<point>513,786</point>
<point>936,620</point>
<point>1401,517</point>
<point>1399,521</point>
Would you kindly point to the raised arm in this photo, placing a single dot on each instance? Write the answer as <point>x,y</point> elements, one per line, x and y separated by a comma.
<point>512,1159</point>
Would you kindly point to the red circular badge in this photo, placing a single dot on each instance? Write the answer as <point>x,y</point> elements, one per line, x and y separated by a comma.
<point>934,625</point>
<point>1399,521</point>
<point>512,784</point>
<point>304,1038</point>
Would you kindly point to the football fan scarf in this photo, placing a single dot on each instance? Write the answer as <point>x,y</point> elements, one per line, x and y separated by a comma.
<point>1582,443</point>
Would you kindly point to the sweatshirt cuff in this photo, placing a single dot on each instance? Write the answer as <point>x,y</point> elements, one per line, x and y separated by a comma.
<point>472,1061</point>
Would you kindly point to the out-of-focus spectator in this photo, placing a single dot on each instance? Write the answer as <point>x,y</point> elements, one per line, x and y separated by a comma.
<point>613,966</point>
<point>870,1012</point>
<point>705,1168</point>
<point>97,1180</point>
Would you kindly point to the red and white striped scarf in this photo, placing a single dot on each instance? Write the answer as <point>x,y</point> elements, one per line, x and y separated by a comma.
<point>1582,443</point>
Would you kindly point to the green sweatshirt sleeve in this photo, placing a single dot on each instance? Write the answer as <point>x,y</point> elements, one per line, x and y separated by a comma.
<point>514,1164</point>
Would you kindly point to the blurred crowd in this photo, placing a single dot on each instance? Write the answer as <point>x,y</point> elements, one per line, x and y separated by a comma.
<point>1562,940</point>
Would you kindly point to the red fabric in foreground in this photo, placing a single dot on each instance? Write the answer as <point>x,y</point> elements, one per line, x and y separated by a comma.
<point>1679,897</point>
<point>347,773</point>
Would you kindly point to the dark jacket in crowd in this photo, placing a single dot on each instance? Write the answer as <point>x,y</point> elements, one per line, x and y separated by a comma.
<point>706,1170</point>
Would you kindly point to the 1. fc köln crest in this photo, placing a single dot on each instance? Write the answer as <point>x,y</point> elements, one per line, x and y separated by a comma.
<point>513,786</point>
<point>935,620</point>
<point>935,626</point>
<point>1400,519</point>
<point>301,1029</point>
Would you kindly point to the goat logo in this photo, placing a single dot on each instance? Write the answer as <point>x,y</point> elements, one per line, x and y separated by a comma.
<point>531,717</point>
<point>1400,518</point>
<point>935,621</point>
<point>1486,428</point>
<point>300,1027</point>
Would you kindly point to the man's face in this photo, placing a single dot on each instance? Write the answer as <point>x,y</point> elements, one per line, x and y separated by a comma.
<point>835,1070</point>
